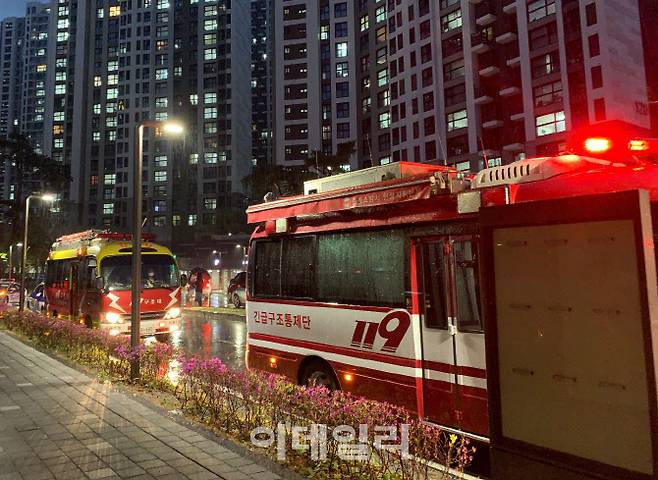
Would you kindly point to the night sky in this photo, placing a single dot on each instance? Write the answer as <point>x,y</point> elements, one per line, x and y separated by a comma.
<point>13,8</point>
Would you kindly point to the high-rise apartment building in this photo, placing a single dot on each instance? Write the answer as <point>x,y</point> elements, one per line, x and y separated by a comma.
<point>12,37</point>
<point>118,62</point>
<point>262,32</point>
<point>35,63</point>
<point>463,82</point>
<point>315,81</point>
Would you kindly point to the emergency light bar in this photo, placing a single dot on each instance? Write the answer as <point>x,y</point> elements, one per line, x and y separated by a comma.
<point>603,145</point>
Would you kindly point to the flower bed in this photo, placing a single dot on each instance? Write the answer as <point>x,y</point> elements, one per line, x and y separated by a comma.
<point>320,433</point>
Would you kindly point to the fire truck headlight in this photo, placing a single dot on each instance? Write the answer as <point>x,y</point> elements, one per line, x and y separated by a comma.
<point>113,317</point>
<point>173,312</point>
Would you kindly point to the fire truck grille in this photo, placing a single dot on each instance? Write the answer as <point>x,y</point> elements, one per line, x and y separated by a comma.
<point>148,316</point>
<point>152,315</point>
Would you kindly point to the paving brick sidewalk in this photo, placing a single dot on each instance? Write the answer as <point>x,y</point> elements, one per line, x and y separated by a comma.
<point>58,423</point>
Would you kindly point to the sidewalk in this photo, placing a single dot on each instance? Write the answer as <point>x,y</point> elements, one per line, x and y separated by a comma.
<point>58,423</point>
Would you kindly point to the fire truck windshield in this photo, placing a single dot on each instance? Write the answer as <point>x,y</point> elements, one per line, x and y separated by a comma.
<point>158,271</point>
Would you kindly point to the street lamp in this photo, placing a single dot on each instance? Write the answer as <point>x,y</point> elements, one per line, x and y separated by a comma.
<point>11,257</point>
<point>169,128</point>
<point>47,197</point>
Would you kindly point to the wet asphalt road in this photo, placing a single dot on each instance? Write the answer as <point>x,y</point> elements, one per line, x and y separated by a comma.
<point>213,335</point>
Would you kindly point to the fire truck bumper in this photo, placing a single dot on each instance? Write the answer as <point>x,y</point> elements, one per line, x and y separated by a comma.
<point>147,328</point>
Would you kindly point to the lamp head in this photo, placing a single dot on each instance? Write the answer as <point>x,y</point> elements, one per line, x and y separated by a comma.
<point>172,128</point>
<point>48,197</point>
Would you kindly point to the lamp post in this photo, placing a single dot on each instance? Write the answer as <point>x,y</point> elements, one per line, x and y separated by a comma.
<point>46,198</point>
<point>244,253</point>
<point>169,128</point>
<point>11,257</point>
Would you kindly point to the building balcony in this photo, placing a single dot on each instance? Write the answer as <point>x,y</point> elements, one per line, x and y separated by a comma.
<point>510,8</point>
<point>492,124</point>
<point>514,62</point>
<point>489,71</point>
<point>513,147</point>
<point>480,42</point>
<point>507,37</point>
<point>517,117</point>
<point>486,19</point>
<point>482,98</point>
<point>509,91</point>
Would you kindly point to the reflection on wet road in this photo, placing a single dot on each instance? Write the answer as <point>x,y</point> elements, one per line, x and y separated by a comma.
<point>221,336</point>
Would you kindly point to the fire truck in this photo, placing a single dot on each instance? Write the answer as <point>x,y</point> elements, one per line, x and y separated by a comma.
<point>370,281</point>
<point>88,280</point>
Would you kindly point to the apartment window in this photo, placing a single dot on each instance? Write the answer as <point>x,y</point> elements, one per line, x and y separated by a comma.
<point>453,70</point>
<point>342,89</point>
<point>384,120</point>
<point>324,32</point>
<point>210,54</point>
<point>364,23</point>
<point>160,176</point>
<point>594,47</point>
<point>550,123</point>
<point>342,110</point>
<point>210,158</point>
<point>384,99</point>
<point>210,203</point>
<point>590,14</point>
<point>545,64</point>
<point>340,29</point>
<point>340,10</point>
<point>380,34</point>
<point>194,99</point>
<point>451,21</point>
<point>449,3</point>
<point>210,25</point>
<point>343,130</point>
<point>191,220</point>
<point>548,94</point>
<point>161,74</point>
<point>366,102</point>
<point>599,109</point>
<point>427,77</point>
<point>210,97</point>
<point>457,120</point>
<point>382,77</point>
<point>428,101</point>
<point>342,70</point>
<point>193,158</point>
<point>426,53</point>
<point>341,49</point>
<point>108,209</point>
<point>540,9</point>
<point>455,95</point>
<point>597,77</point>
<point>210,113</point>
<point>161,102</point>
<point>380,14</point>
<point>428,125</point>
<point>381,56</point>
<point>543,36</point>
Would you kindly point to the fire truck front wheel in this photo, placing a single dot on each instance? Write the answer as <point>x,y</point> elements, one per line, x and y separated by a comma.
<point>318,372</point>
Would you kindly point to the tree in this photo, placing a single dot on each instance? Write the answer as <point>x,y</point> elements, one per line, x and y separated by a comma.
<point>325,165</point>
<point>31,172</point>
<point>280,180</point>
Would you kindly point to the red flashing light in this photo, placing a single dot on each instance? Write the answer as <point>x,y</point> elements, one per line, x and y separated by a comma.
<point>639,145</point>
<point>597,145</point>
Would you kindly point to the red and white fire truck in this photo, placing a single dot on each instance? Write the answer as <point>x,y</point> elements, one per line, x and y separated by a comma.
<point>369,282</point>
<point>89,280</point>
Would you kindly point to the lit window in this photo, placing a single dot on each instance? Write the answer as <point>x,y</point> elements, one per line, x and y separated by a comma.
<point>550,123</point>
<point>342,70</point>
<point>210,203</point>
<point>384,120</point>
<point>210,97</point>
<point>210,54</point>
<point>115,11</point>
<point>100,12</point>
<point>161,102</point>
<point>341,49</point>
<point>194,158</point>
<point>194,99</point>
<point>58,116</point>
<point>380,14</point>
<point>382,77</point>
<point>457,120</point>
<point>162,4</point>
<point>98,81</point>
<point>363,23</point>
<point>41,68</point>
<point>161,74</point>
<point>60,89</point>
<point>191,219</point>
<point>210,157</point>
<point>112,93</point>
<point>324,32</point>
<point>110,179</point>
<point>210,112</point>
<point>108,209</point>
<point>451,21</point>
<point>160,176</point>
<point>209,25</point>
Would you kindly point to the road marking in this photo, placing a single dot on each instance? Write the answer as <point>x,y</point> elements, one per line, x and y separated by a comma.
<point>28,384</point>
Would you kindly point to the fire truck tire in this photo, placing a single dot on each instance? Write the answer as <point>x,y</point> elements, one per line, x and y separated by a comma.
<point>236,301</point>
<point>319,372</point>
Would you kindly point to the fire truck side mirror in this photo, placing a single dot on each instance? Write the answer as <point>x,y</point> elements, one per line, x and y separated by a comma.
<point>100,283</point>
<point>183,280</point>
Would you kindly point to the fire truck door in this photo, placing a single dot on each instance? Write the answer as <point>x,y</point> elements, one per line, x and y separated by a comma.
<point>74,291</point>
<point>437,330</point>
